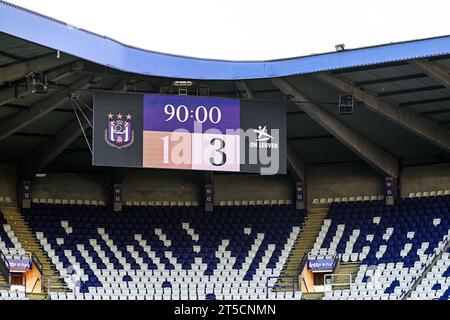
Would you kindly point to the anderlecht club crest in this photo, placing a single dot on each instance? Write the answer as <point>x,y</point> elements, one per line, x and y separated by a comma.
<point>119,133</point>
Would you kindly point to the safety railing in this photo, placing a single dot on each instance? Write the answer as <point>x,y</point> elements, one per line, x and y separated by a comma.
<point>57,284</point>
<point>37,263</point>
<point>306,286</point>
<point>35,283</point>
<point>337,259</point>
<point>280,286</point>
<point>331,281</point>
<point>11,276</point>
<point>300,270</point>
<point>303,262</point>
<point>4,265</point>
<point>39,266</point>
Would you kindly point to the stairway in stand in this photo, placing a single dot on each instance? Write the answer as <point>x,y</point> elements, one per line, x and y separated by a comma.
<point>4,282</point>
<point>341,278</point>
<point>36,296</point>
<point>28,240</point>
<point>303,245</point>
<point>313,296</point>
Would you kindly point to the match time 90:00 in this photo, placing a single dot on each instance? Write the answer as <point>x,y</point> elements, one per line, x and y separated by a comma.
<point>199,114</point>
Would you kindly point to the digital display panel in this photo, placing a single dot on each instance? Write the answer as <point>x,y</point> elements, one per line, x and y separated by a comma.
<point>188,132</point>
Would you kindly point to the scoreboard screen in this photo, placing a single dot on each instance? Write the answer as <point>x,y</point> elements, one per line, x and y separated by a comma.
<point>189,132</point>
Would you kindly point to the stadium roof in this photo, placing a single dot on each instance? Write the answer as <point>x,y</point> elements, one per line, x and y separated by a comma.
<point>402,89</point>
<point>86,45</point>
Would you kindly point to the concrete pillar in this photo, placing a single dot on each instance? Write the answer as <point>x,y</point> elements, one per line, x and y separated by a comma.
<point>117,197</point>
<point>25,194</point>
<point>391,190</point>
<point>300,198</point>
<point>209,192</point>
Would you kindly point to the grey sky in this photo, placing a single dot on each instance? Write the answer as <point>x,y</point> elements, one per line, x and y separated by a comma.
<point>251,29</point>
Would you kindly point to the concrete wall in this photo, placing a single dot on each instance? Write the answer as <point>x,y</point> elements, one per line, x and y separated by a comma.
<point>356,179</point>
<point>323,181</point>
<point>72,186</point>
<point>141,185</point>
<point>163,185</point>
<point>8,177</point>
<point>252,187</point>
<point>425,178</point>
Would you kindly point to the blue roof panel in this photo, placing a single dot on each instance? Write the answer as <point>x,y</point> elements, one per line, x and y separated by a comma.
<point>57,35</point>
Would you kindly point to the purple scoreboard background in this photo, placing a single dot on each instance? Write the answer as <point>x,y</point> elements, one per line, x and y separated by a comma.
<point>187,132</point>
<point>170,113</point>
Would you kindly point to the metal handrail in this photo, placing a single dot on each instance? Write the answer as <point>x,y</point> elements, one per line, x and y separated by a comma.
<point>335,275</point>
<point>306,286</point>
<point>56,283</point>
<point>300,268</point>
<point>5,260</point>
<point>38,263</point>
<point>280,286</point>
<point>40,267</point>
<point>303,262</point>
<point>35,283</point>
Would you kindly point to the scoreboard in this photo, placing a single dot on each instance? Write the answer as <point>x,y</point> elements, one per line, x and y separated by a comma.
<point>197,127</point>
<point>189,132</point>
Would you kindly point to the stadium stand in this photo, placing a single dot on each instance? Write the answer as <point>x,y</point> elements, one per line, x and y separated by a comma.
<point>12,295</point>
<point>394,244</point>
<point>436,284</point>
<point>365,146</point>
<point>167,252</point>
<point>180,252</point>
<point>10,248</point>
<point>9,244</point>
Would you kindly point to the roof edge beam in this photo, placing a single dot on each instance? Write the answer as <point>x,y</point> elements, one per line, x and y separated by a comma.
<point>23,118</point>
<point>22,69</point>
<point>409,119</point>
<point>436,72</point>
<point>244,89</point>
<point>383,161</point>
<point>20,89</point>
<point>296,165</point>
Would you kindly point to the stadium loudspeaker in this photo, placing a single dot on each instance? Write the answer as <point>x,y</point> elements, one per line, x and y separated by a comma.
<point>299,195</point>
<point>391,190</point>
<point>117,197</point>
<point>26,194</point>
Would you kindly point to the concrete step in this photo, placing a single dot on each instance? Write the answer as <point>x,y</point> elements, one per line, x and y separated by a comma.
<point>28,240</point>
<point>313,296</point>
<point>342,271</point>
<point>37,296</point>
<point>303,244</point>
<point>3,281</point>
